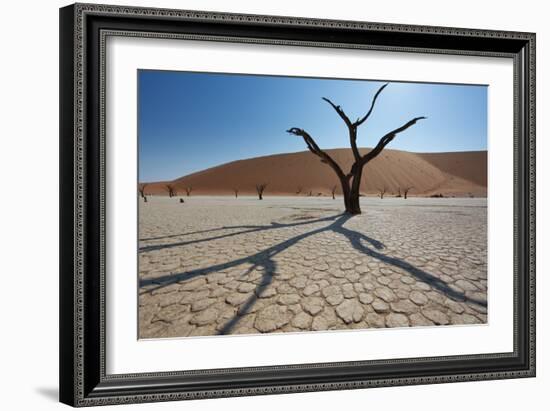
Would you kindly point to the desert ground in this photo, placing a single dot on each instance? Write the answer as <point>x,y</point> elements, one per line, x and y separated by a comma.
<point>217,265</point>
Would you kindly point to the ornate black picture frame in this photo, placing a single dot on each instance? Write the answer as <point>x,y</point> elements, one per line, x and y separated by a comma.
<point>83,30</point>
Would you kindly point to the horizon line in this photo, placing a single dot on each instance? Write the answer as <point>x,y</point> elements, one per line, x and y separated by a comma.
<point>298,152</point>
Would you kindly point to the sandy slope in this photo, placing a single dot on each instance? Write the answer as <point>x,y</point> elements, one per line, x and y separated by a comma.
<point>452,174</point>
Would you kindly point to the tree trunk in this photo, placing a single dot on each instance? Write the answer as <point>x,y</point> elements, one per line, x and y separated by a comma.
<point>351,194</point>
<point>354,206</point>
<point>260,196</point>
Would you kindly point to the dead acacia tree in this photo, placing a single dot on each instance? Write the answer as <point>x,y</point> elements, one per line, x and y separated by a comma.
<point>399,192</point>
<point>141,189</point>
<point>299,189</point>
<point>260,188</point>
<point>351,181</point>
<point>170,189</point>
<point>188,190</point>
<point>236,191</point>
<point>406,191</point>
<point>382,191</point>
<point>333,191</point>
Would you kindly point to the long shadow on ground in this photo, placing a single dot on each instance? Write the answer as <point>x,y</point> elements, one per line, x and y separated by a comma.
<point>264,260</point>
<point>246,229</point>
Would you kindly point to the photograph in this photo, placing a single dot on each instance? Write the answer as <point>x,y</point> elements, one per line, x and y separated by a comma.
<point>288,201</point>
<point>273,204</point>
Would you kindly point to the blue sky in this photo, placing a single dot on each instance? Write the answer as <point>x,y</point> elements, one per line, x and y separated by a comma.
<point>188,122</point>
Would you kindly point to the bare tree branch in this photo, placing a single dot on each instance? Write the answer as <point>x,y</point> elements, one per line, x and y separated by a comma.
<point>339,111</point>
<point>366,116</point>
<point>314,148</point>
<point>384,141</point>
<point>352,128</point>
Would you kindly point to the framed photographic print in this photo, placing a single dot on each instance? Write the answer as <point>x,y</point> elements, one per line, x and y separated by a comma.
<point>261,204</point>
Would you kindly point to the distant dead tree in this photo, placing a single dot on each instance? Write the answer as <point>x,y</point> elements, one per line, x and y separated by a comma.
<point>333,191</point>
<point>406,191</point>
<point>351,181</point>
<point>171,190</point>
<point>141,189</point>
<point>236,191</point>
<point>310,193</point>
<point>188,190</point>
<point>399,193</point>
<point>382,191</point>
<point>260,188</point>
<point>299,189</point>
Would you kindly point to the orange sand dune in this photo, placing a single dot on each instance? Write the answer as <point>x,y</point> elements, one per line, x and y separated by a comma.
<point>450,174</point>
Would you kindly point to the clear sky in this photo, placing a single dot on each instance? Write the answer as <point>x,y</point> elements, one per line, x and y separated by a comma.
<point>188,122</point>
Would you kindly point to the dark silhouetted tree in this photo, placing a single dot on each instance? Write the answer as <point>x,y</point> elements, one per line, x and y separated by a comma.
<point>170,189</point>
<point>399,192</point>
<point>351,181</point>
<point>382,191</point>
<point>236,191</point>
<point>333,191</point>
<point>141,189</point>
<point>188,190</point>
<point>260,188</point>
<point>406,191</point>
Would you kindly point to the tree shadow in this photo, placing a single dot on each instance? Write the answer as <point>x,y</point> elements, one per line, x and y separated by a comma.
<point>355,240</point>
<point>255,259</point>
<point>247,229</point>
<point>195,232</point>
<point>264,260</point>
